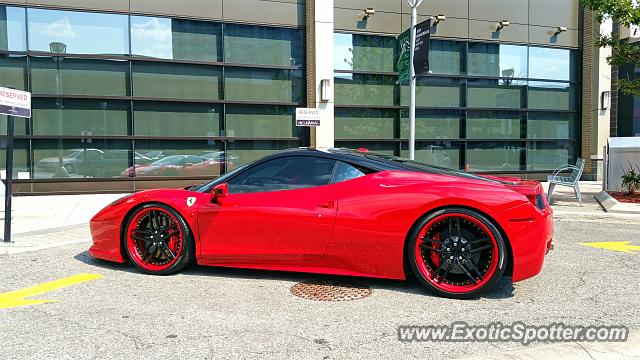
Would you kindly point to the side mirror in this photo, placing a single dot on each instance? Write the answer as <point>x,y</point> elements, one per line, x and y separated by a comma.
<point>219,192</point>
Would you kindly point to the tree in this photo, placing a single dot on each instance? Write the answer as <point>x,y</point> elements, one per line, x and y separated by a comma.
<point>625,13</point>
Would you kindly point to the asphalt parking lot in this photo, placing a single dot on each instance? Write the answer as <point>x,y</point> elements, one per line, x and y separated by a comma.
<point>213,313</point>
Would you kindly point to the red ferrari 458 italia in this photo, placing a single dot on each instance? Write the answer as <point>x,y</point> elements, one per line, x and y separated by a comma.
<point>343,212</point>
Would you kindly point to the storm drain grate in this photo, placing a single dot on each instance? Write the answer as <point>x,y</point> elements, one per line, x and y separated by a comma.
<point>331,290</point>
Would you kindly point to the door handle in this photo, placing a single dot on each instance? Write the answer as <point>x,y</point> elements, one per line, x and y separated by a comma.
<point>327,205</point>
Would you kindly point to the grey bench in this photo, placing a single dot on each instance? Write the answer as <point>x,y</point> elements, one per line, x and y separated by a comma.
<point>570,181</point>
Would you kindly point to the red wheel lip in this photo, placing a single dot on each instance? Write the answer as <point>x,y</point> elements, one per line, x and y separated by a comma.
<point>133,249</point>
<point>456,289</point>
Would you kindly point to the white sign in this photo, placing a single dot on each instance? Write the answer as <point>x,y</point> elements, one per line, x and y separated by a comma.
<point>15,102</point>
<point>307,117</point>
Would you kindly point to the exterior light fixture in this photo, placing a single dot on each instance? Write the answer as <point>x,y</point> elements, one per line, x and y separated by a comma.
<point>502,24</point>
<point>58,47</point>
<point>438,19</point>
<point>559,29</point>
<point>605,100</point>
<point>368,12</point>
<point>325,90</point>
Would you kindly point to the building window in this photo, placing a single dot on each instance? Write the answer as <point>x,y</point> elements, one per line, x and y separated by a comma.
<point>176,39</point>
<point>80,32</point>
<point>244,44</point>
<point>12,29</point>
<point>492,107</point>
<point>150,97</point>
<point>353,52</point>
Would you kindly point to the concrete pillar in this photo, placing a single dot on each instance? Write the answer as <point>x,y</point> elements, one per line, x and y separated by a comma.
<point>319,67</point>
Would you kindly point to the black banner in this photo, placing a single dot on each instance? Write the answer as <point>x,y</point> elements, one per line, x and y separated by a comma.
<point>421,52</point>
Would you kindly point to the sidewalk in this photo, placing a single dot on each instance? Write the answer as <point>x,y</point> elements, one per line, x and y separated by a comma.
<point>566,207</point>
<point>40,222</point>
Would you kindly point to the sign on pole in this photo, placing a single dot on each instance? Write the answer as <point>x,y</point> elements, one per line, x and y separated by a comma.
<point>307,117</point>
<point>15,102</point>
<point>402,65</point>
<point>12,103</point>
<point>421,52</point>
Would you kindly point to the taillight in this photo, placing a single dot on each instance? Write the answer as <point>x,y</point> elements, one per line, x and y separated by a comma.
<point>538,200</point>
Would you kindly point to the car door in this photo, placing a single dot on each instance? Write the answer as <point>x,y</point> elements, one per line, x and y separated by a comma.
<point>281,209</point>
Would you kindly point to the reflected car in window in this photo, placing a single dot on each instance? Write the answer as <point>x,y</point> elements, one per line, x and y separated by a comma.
<point>177,165</point>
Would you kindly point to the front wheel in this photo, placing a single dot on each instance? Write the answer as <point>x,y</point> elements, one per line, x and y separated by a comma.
<point>456,253</point>
<point>158,240</point>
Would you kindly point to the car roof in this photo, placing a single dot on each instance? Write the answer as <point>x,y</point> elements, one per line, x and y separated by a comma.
<point>350,156</point>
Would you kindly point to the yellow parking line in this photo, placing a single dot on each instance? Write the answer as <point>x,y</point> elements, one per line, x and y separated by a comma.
<point>16,298</point>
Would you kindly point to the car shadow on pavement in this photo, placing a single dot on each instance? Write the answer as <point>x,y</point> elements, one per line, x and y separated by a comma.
<point>503,289</point>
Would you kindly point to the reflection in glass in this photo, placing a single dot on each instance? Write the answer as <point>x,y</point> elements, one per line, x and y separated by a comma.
<point>493,125</point>
<point>80,117</point>
<point>19,127</point>
<point>175,119</point>
<point>363,89</point>
<point>245,44</point>
<point>20,156</point>
<point>446,57</point>
<point>248,151</point>
<point>503,93</point>
<point>179,158</point>
<point>498,60</point>
<point>550,125</point>
<point>364,123</point>
<point>78,31</point>
<point>552,64</point>
<point>494,156</point>
<point>435,92</point>
<point>12,29</point>
<point>260,121</point>
<point>549,155</point>
<point>387,148</point>
<point>79,77</point>
<point>439,153</point>
<point>363,52</point>
<point>183,81</point>
<point>433,124</point>
<point>551,95</point>
<point>263,85</point>
<point>177,39</point>
<point>100,158</point>
<point>14,71</point>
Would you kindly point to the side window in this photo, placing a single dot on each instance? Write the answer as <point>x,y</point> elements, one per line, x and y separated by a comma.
<point>346,172</point>
<point>287,173</point>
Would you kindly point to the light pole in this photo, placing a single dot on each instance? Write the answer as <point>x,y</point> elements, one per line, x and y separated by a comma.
<point>412,79</point>
<point>59,48</point>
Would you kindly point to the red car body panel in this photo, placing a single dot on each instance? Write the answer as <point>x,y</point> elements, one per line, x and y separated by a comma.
<point>355,227</point>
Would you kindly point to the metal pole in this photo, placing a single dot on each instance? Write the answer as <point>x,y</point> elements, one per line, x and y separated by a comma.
<point>9,181</point>
<point>412,80</point>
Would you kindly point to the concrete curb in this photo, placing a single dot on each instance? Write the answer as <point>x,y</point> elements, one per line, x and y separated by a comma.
<point>611,205</point>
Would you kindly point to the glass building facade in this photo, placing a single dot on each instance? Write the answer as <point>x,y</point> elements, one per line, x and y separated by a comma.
<point>138,94</point>
<point>491,107</point>
<point>126,96</point>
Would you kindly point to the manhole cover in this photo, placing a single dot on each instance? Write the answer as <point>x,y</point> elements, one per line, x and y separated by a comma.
<point>331,290</point>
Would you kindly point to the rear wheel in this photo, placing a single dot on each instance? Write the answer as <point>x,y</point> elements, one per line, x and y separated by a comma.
<point>456,253</point>
<point>158,240</point>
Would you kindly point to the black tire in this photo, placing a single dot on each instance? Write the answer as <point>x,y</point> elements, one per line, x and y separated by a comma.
<point>412,238</point>
<point>186,256</point>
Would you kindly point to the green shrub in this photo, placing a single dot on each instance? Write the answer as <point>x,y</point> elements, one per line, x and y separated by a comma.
<point>631,179</point>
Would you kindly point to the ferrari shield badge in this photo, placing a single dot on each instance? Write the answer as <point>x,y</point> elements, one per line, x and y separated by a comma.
<point>190,201</point>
